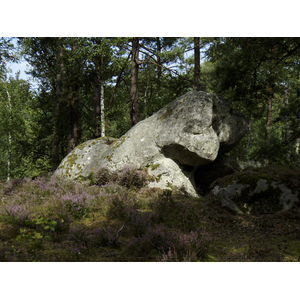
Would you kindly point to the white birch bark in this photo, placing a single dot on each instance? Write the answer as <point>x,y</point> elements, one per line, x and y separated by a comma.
<point>102,108</point>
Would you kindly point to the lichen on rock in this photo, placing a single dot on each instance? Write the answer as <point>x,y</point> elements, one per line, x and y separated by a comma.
<point>189,132</point>
<point>270,189</point>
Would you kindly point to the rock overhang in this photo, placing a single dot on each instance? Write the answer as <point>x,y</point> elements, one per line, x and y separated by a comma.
<point>187,133</point>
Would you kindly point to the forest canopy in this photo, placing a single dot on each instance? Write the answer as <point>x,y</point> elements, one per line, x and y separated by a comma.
<point>95,86</point>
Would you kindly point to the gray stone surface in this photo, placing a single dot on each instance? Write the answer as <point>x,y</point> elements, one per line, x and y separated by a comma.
<point>264,190</point>
<point>189,132</point>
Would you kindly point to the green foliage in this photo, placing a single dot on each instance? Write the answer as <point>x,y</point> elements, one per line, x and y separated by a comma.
<point>239,69</point>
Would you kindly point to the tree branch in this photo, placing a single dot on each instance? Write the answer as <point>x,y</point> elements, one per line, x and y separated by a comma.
<point>118,80</point>
<point>151,62</point>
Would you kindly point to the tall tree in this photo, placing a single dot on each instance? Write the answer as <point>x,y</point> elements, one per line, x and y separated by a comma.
<point>99,115</point>
<point>197,63</point>
<point>298,102</point>
<point>73,119</point>
<point>270,100</point>
<point>134,96</point>
<point>60,73</point>
<point>287,122</point>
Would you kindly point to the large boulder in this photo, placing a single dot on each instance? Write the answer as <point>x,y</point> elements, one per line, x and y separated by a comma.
<point>189,132</point>
<point>265,190</point>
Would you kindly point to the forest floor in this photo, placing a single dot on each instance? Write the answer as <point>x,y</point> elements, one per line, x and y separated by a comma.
<point>54,220</point>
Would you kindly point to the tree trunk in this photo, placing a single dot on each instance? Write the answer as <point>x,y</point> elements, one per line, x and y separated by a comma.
<point>270,101</point>
<point>9,137</point>
<point>134,109</point>
<point>9,121</point>
<point>146,94</point>
<point>58,92</point>
<point>102,108</point>
<point>158,57</point>
<point>197,64</point>
<point>97,84</point>
<point>248,138</point>
<point>287,122</point>
<point>269,114</point>
<point>96,116</point>
<point>298,100</point>
<point>73,110</point>
<point>269,110</point>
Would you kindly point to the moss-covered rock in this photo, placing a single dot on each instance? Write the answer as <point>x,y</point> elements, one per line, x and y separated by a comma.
<point>271,189</point>
<point>189,132</point>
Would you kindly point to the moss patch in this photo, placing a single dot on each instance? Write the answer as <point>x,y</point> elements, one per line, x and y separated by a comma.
<point>167,113</point>
<point>265,201</point>
<point>116,144</point>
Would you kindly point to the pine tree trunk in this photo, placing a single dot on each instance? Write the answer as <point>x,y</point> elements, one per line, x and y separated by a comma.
<point>158,44</point>
<point>287,122</point>
<point>270,102</point>
<point>146,94</point>
<point>197,64</point>
<point>73,110</point>
<point>97,108</point>
<point>269,113</point>
<point>248,139</point>
<point>134,109</point>
<point>298,100</point>
<point>58,92</point>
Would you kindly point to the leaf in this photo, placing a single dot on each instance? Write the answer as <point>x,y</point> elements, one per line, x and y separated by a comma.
<point>38,235</point>
<point>46,227</point>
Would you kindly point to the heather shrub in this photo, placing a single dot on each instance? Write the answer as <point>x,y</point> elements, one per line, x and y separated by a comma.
<point>119,205</point>
<point>162,204</point>
<point>133,178</point>
<point>100,176</point>
<point>139,222</point>
<point>155,239</point>
<point>170,256</point>
<point>196,244</point>
<point>11,186</point>
<point>68,251</point>
<point>78,205</point>
<point>188,248</point>
<point>188,217</point>
<point>103,237</point>
<point>80,236</point>
<point>15,214</point>
<point>112,188</point>
<point>12,254</point>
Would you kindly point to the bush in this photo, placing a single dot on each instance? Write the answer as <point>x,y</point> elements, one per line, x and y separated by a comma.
<point>80,236</point>
<point>78,204</point>
<point>156,239</point>
<point>106,237</point>
<point>12,254</point>
<point>101,176</point>
<point>133,178</point>
<point>139,222</point>
<point>11,185</point>
<point>162,204</point>
<point>120,205</point>
<point>188,248</point>
<point>16,215</point>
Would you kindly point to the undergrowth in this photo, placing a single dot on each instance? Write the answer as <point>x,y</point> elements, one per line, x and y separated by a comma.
<point>116,218</point>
